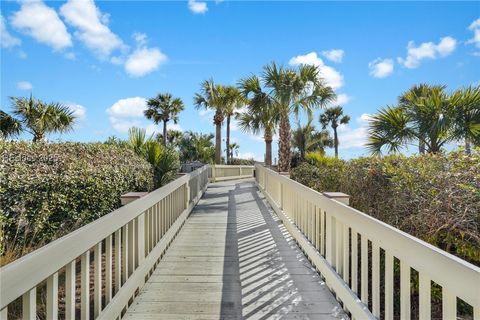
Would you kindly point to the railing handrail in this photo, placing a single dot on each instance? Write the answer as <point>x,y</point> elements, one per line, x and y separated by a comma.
<point>457,275</point>
<point>17,277</point>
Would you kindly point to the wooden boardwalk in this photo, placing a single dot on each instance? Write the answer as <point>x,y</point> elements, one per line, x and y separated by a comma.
<point>234,260</point>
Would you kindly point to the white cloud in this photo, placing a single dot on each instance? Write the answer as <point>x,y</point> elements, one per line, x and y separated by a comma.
<point>79,111</point>
<point>381,68</point>
<point>197,6</point>
<point>140,38</point>
<point>342,99</point>
<point>91,27</point>
<point>143,61</point>
<point>249,155</point>
<point>128,112</point>
<point>128,107</point>
<point>42,23</point>
<point>331,76</point>
<point>427,50</point>
<point>335,55</point>
<point>475,27</point>
<point>354,137</point>
<point>174,126</point>
<point>24,85</point>
<point>6,39</point>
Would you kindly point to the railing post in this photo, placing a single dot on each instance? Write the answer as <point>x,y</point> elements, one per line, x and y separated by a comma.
<point>140,238</point>
<point>240,170</point>
<point>187,194</point>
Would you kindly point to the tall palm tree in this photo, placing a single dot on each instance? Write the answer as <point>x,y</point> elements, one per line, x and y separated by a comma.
<point>335,117</point>
<point>466,116</point>
<point>424,114</point>
<point>261,115</point>
<point>307,139</point>
<point>164,108</point>
<point>40,118</point>
<point>234,101</point>
<point>294,90</point>
<point>9,126</point>
<point>212,97</point>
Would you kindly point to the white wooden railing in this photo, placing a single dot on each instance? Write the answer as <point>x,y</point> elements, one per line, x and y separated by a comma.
<point>230,172</point>
<point>118,252</point>
<point>348,246</point>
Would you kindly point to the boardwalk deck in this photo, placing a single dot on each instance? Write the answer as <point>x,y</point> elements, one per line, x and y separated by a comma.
<point>234,260</point>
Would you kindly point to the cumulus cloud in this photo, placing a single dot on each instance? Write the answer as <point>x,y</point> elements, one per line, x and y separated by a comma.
<point>381,68</point>
<point>427,50</point>
<point>91,27</point>
<point>332,77</point>
<point>342,99</point>
<point>198,7</point>
<point>6,39</point>
<point>475,27</point>
<point>354,137</point>
<point>335,55</point>
<point>143,61</point>
<point>41,23</point>
<point>128,112</point>
<point>24,85</point>
<point>79,111</point>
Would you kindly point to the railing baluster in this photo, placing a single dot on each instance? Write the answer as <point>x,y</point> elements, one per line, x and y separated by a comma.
<point>52,297</point>
<point>375,279</point>
<point>108,269</point>
<point>29,305</point>
<point>97,279</point>
<point>131,247</point>
<point>354,284</point>
<point>85,286</point>
<point>449,305</point>
<point>322,232</point>
<point>404,290</point>
<point>338,247</point>
<point>425,290</point>
<point>388,286</point>
<point>125,253</point>
<point>4,313</point>
<point>118,259</point>
<point>364,269</point>
<point>346,254</point>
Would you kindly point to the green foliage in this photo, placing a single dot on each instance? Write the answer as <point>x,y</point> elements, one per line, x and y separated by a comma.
<point>48,190</point>
<point>197,147</point>
<point>434,197</point>
<point>243,162</point>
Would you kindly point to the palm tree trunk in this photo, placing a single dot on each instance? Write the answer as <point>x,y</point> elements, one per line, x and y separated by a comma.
<point>335,141</point>
<point>229,157</point>
<point>284,144</point>
<point>268,148</point>
<point>218,143</point>
<point>164,132</point>
<point>421,147</point>
<point>468,149</point>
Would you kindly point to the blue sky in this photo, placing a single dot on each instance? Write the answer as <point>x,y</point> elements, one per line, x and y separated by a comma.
<point>104,58</point>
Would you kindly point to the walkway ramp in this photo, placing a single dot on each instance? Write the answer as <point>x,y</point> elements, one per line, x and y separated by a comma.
<point>233,259</point>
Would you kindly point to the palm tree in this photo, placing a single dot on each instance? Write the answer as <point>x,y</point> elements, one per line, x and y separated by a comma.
<point>234,148</point>
<point>212,97</point>
<point>424,114</point>
<point>294,90</point>
<point>234,100</point>
<point>9,126</point>
<point>335,117</point>
<point>40,118</point>
<point>197,147</point>
<point>164,108</point>
<point>307,139</point>
<point>261,115</point>
<point>466,116</point>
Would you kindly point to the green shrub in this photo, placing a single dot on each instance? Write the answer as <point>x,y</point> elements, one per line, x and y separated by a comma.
<point>243,162</point>
<point>434,197</point>
<point>47,190</point>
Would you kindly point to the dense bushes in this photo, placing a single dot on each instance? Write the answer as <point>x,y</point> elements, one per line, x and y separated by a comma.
<point>434,197</point>
<point>47,190</point>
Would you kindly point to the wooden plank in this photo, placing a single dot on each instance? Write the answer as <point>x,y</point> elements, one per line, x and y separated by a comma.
<point>52,297</point>
<point>388,286</point>
<point>405,290</point>
<point>85,286</point>
<point>97,279</point>
<point>425,296</point>
<point>449,305</point>
<point>70,289</point>
<point>29,305</point>
<point>108,269</point>
<point>354,284</point>
<point>364,269</point>
<point>375,279</point>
